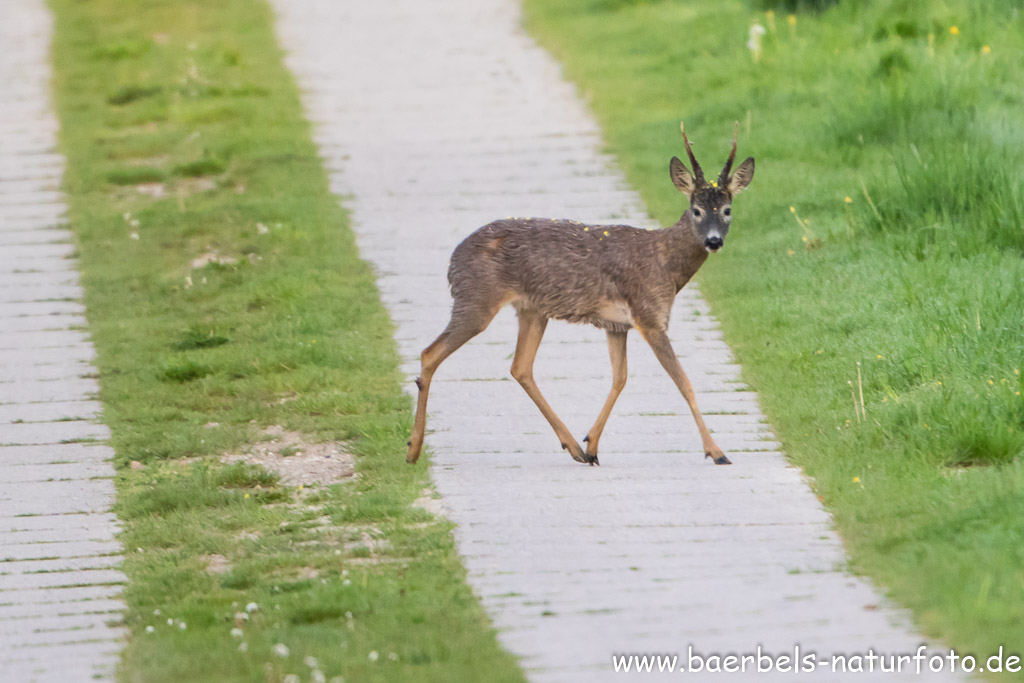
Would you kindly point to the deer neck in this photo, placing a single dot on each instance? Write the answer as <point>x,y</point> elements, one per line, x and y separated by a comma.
<point>684,250</point>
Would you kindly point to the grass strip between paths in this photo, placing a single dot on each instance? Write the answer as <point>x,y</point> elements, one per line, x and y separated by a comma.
<point>225,296</point>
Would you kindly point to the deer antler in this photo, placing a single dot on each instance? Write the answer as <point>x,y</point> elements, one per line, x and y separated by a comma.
<point>723,178</point>
<point>697,171</point>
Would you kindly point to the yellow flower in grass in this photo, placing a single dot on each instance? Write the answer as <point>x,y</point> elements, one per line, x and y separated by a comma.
<point>847,199</point>
<point>856,480</point>
<point>954,31</point>
<point>985,49</point>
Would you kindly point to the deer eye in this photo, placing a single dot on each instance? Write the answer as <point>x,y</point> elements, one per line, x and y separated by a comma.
<point>727,211</point>
<point>696,212</point>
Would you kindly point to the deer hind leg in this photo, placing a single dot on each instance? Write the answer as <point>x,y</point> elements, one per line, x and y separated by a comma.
<point>467,322</point>
<point>617,354</point>
<point>662,347</point>
<point>531,331</point>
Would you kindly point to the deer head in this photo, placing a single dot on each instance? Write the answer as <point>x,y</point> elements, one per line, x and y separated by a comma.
<point>711,202</point>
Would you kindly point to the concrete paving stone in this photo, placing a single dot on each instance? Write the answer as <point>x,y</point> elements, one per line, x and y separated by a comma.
<point>18,254</point>
<point>85,452</point>
<point>40,291</point>
<point>72,564</point>
<point>17,225</point>
<point>59,472</point>
<point>35,265</point>
<point>46,371</point>
<point>55,497</point>
<point>34,236</point>
<point>92,662</point>
<point>37,308</point>
<point>75,350</point>
<point>28,278</point>
<point>13,612</point>
<point>21,186</point>
<point>60,548</point>
<point>87,577</point>
<point>77,626</point>
<point>29,198</point>
<point>96,636</point>
<point>49,412</point>
<point>30,391</point>
<point>101,523</point>
<point>29,433</point>
<point>44,212</point>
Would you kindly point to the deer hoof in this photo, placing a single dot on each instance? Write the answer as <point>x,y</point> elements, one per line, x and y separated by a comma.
<point>576,452</point>
<point>592,459</point>
<point>719,459</point>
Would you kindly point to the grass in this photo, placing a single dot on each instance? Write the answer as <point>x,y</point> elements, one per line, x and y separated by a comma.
<point>883,226</point>
<point>225,295</point>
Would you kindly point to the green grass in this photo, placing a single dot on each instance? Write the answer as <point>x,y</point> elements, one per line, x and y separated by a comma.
<point>225,294</point>
<point>918,277</point>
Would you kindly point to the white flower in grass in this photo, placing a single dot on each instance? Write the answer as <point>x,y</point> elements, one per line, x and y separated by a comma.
<point>150,629</point>
<point>311,662</point>
<point>281,650</point>
<point>290,678</point>
<point>237,632</point>
<point>754,40</point>
<point>374,656</point>
<point>262,229</point>
<point>243,647</point>
<point>182,625</point>
<point>393,656</point>
<point>317,676</point>
<point>252,607</point>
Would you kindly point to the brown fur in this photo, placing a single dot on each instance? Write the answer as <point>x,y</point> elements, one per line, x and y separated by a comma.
<point>615,277</point>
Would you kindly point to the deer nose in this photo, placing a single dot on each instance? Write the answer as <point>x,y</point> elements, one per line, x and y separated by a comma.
<point>713,242</point>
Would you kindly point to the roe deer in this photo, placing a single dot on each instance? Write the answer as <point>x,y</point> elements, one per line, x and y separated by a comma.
<point>614,277</point>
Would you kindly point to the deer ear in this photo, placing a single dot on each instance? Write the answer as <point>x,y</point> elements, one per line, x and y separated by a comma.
<point>681,177</point>
<point>742,177</point>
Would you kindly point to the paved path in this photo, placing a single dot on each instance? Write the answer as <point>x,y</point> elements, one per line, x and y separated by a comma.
<point>435,118</point>
<point>59,581</point>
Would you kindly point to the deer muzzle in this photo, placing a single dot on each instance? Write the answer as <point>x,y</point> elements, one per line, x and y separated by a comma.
<point>713,242</point>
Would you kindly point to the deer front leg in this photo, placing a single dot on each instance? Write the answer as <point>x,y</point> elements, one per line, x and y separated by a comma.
<point>531,331</point>
<point>659,341</point>
<point>466,323</point>
<point>617,354</point>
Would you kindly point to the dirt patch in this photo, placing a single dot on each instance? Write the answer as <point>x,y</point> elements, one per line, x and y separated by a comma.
<point>185,187</point>
<point>154,190</point>
<point>208,257</point>
<point>428,502</point>
<point>297,460</point>
<point>217,564</point>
